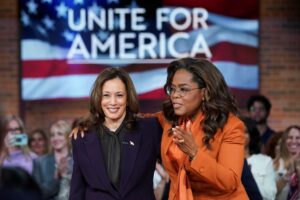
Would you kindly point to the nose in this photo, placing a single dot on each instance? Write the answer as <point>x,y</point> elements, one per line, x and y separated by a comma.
<point>176,93</point>
<point>113,100</point>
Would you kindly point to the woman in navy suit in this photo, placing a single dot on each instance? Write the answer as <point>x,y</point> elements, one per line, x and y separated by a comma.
<point>116,158</point>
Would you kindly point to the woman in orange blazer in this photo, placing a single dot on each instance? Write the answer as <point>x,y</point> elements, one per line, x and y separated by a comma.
<point>202,146</point>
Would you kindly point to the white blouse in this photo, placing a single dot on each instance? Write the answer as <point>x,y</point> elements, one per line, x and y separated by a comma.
<point>264,175</point>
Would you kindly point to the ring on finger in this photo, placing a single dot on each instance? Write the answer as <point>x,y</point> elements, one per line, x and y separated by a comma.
<point>181,141</point>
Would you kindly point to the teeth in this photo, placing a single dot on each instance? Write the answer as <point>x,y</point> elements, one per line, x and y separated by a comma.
<point>112,109</point>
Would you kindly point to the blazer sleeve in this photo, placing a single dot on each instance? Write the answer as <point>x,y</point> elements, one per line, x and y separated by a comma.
<point>78,184</point>
<point>50,187</point>
<point>223,172</point>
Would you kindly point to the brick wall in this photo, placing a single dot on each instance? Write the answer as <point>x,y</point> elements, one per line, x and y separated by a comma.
<point>9,57</point>
<point>279,60</point>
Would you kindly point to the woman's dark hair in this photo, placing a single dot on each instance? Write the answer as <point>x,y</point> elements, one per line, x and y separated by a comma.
<point>254,135</point>
<point>272,143</point>
<point>96,113</point>
<point>218,101</point>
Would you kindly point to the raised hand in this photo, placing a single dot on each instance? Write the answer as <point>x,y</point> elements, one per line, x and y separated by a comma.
<point>183,138</point>
<point>77,130</point>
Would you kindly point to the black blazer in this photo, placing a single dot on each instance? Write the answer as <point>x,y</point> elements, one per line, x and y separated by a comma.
<point>140,151</point>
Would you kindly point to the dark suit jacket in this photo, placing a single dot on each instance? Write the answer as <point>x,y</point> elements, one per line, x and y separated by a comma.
<point>140,150</point>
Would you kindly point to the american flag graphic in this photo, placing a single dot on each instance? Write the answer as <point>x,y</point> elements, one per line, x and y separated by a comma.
<point>48,72</point>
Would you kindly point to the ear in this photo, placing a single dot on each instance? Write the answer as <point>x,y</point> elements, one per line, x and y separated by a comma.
<point>205,95</point>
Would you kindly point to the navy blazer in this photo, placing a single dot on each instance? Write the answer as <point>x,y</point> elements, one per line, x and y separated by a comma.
<point>140,151</point>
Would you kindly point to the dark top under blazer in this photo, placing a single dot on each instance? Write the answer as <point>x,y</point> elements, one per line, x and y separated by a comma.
<point>140,150</point>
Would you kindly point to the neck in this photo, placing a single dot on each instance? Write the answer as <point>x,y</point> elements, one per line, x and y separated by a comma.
<point>13,149</point>
<point>193,116</point>
<point>61,153</point>
<point>113,125</point>
<point>261,128</point>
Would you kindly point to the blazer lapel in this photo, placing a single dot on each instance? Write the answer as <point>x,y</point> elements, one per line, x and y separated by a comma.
<point>130,148</point>
<point>95,155</point>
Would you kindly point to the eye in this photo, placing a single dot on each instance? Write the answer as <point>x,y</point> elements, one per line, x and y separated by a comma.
<point>105,95</point>
<point>184,90</point>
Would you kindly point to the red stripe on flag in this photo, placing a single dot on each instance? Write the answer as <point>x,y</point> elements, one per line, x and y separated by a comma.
<point>247,9</point>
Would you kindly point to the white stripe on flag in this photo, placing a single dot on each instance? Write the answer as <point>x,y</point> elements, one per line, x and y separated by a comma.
<point>78,86</point>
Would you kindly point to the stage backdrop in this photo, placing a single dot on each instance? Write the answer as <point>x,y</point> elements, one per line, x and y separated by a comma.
<point>66,43</point>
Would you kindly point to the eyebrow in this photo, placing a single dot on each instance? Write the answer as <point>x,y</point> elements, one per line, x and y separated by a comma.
<point>182,84</point>
<point>114,92</point>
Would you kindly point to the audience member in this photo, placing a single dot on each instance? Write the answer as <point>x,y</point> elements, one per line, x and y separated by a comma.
<point>284,164</point>
<point>53,171</point>
<point>259,108</point>
<point>15,182</point>
<point>38,142</point>
<point>261,165</point>
<point>16,151</point>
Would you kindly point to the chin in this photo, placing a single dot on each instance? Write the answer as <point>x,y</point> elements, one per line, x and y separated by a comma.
<point>179,112</point>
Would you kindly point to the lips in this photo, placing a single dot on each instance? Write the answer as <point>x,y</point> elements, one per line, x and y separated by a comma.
<point>176,105</point>
<point>112,110</point>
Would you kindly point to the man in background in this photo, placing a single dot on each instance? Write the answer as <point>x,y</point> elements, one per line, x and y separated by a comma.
<point>259,110</point>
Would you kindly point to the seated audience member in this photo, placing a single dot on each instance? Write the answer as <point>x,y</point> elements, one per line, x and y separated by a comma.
<point>15,182</point>
<point>38,142</point>
<point>16,151</point>
<point>53,171</point>
<point>261,165</point>
<point>285,164</point>
<point>18,184</point>
<point>259,108</point>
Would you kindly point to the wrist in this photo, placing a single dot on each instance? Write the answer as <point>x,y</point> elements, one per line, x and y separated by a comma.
<point>193,155</point>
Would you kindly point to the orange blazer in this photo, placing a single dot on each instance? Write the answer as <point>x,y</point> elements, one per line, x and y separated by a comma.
<point>214,173</point>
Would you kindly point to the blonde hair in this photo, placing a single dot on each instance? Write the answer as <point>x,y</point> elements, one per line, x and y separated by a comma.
<point>284,152</point>
<point>65,127</point>
<point>25,148</point>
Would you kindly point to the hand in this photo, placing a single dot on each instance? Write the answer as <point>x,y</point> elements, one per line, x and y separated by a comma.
<point>63,167</point>
<point>75,131</point>
<point>160,170</point>
<point>9,140</point>
<point>184,139</point>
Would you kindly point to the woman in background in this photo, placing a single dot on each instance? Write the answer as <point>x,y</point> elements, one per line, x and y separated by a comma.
<point>261,165</point>
<point>285,164</point>
<point>53,171</point>
<point>38,142</point>
<point>16,152</point>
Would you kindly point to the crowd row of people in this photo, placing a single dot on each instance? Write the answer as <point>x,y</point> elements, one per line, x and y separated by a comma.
<point>47,157</point>
<point>198,147</point>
